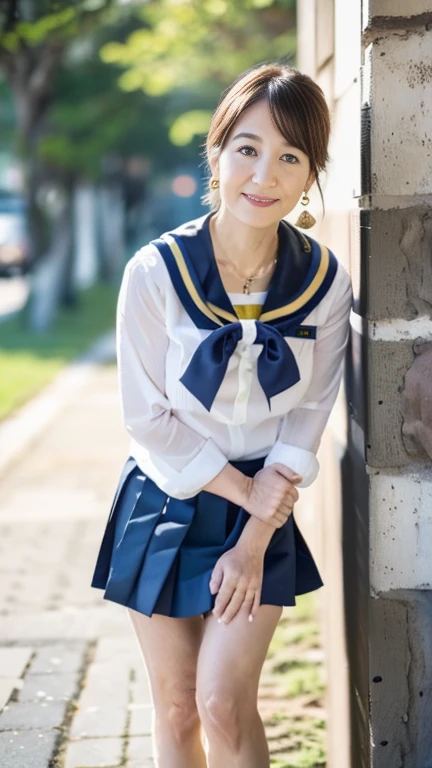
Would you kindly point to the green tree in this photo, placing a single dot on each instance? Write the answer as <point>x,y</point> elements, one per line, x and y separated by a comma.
<point>38,41</point>
<point>176,56</point>
<point>34,39</point>
<point>197,48</point>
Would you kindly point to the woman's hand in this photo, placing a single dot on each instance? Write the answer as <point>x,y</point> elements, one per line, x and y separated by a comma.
<point>272,494</point>
<point>237,578</point>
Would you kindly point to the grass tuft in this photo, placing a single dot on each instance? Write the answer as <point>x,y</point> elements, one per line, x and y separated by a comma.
<point>29,360</point>
<point>292,689</point>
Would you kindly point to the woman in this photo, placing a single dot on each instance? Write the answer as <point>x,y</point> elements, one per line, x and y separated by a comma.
<point>231,337</point>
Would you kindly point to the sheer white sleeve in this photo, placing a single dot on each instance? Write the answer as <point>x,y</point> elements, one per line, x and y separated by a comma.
<point>302,428</point>
<point>183,461</point>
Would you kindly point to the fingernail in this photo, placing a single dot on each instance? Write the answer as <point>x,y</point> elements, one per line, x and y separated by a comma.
<point>219,621</point>
<point>250,617</point>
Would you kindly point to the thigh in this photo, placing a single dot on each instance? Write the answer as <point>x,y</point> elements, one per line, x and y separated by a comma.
<point>170,649</point>
<point>232,655</point>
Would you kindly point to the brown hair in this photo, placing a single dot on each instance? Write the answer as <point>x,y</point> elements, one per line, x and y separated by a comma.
<point>297,106</point>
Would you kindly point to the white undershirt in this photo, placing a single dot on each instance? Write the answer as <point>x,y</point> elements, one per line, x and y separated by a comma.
<point>257,297</point>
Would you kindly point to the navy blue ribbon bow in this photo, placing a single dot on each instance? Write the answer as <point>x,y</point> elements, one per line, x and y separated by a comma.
<point>277,367</point>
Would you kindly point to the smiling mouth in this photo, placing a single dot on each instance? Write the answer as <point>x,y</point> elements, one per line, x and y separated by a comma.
<point>260,200</point>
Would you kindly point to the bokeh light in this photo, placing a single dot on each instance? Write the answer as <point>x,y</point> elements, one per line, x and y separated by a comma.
<point>184,185</point>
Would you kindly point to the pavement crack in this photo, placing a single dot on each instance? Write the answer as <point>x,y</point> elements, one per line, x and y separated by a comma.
<point>57,759</point>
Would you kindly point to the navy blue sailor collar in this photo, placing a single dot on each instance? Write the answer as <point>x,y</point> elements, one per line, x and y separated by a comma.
<point>304,272</point>
<point>293,259</point>
<point>292,295</point>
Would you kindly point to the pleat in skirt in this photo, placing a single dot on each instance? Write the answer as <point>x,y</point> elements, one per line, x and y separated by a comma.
<point>157,553</point>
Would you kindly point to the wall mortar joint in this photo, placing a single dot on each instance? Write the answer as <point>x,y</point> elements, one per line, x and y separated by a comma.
<point>385,26</point>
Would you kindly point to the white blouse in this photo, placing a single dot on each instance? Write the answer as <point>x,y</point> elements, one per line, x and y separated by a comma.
<point>175,440</point>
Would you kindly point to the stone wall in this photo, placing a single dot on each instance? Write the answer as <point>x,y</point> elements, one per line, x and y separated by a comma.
<point>374,62</point>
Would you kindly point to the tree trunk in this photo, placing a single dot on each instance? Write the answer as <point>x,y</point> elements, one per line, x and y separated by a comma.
<point>51,284</point>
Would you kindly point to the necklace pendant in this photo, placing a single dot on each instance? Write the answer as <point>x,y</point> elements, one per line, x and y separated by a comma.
<point>246,285</point>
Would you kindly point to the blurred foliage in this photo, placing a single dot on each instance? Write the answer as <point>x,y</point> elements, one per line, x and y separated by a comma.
<point>186,44</point>
<point>63,23</point>
<point>177,55</point>
<point>187,126</point>
<point>34,22</point>
<point>193,50</point>
<point>92,117</point>
<point>85,115</point>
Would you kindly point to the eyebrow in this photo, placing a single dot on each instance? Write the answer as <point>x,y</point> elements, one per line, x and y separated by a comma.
<point>254,137</point>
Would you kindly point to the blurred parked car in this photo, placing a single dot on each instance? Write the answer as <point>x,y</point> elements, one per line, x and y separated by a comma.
<point>14,251</point>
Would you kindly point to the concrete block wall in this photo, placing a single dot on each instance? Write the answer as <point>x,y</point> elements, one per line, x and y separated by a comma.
<point>397,89</point>
<point>375,67</point>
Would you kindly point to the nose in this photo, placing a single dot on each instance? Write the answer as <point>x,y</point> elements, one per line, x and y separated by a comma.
<point>264,174</point>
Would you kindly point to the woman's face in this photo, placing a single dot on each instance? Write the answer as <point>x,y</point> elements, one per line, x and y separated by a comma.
<point>256,162</point>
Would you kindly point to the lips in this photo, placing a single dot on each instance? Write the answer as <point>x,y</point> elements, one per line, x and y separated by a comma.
<point>258,200</point>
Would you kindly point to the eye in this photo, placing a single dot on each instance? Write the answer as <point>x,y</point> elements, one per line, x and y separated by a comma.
<point>296,160</point>
<point>247,153</point>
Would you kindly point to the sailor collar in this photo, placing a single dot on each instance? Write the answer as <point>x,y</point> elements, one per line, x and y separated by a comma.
<point>304,272</point>
<point>296,288</point>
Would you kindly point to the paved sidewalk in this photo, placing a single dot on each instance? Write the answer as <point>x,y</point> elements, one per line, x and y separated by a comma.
<point>73,687</point>
<point>72,681</point>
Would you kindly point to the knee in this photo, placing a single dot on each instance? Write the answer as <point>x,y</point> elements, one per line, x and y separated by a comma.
<point>176,712</point>
<point>224,713</point>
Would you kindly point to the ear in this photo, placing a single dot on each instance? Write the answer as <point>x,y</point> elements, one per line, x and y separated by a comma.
<point>214,166</point>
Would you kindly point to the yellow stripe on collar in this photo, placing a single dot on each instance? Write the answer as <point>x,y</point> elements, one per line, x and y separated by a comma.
<point>215,313</point>
<point>222,312</point>
<point>189,285</point>
<point>248,311</point>
<point>310,291</point>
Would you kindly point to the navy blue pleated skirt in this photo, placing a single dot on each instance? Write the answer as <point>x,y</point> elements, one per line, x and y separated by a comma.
<point>157,552</point>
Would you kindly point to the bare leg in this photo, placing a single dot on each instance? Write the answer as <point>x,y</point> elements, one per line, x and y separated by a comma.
<point>229,667</point>
<point>170,650</point>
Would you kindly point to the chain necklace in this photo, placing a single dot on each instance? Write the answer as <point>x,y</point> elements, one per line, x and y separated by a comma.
<point>250,278</point>
<point>247,279</point>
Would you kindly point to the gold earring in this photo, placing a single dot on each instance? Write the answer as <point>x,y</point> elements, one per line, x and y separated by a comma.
<point>305,220</point>
<point>214,183</point>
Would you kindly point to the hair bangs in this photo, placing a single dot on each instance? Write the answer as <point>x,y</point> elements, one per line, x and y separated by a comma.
<point>287,120</point>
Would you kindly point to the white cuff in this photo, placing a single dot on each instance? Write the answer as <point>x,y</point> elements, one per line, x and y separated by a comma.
<point>190,480</point>
<point>301,461</point>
